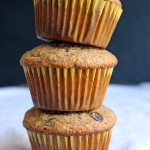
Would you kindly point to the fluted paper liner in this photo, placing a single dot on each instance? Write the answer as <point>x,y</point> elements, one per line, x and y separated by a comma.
<point>81,21</point>
<point>67,89</point>
<point>98,141</point>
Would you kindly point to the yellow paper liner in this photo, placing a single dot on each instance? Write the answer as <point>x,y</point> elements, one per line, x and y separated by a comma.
<point>98,141</point>
<point>67,89</point>
<point>81,21</point>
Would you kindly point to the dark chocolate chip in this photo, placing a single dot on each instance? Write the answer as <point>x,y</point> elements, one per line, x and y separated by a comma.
<point>67,50</point>
<point>96,116</point>
<point>79,117</point>
<point>45,128</point>
<point>75,65</point>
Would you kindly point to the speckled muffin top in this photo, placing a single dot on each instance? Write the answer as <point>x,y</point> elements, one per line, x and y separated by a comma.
<point>67,124</point>
<point>67,55</point>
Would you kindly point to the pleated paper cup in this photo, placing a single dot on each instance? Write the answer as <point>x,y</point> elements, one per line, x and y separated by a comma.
<point>89,22</point>
<point>98,141</point>
<point>67,89</point>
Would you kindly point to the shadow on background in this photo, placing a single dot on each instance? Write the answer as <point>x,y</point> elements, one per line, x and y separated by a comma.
<point>130,42</point>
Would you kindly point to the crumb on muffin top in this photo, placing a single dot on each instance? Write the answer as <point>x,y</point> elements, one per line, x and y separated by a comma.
<point>67,55</point>
<point>67,124</point>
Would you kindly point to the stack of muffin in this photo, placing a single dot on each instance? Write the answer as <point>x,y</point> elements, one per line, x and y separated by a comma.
<point>68,78</point>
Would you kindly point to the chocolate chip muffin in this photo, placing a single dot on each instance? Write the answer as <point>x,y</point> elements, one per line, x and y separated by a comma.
<point>68,77</point>
<point>89,22</point>
<point>70,131</point>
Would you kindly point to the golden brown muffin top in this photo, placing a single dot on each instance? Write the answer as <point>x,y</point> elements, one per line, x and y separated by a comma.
<point>117,2</point>
<point>67,55</point>
<point>67,124</point>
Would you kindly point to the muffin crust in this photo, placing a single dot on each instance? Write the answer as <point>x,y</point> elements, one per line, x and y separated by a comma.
<point>67,55</point>
<point>67,124</point>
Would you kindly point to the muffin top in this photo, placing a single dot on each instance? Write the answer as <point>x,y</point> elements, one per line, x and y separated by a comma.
<point>68,55</point>
<point>117,2</point>
<point>67,124</point>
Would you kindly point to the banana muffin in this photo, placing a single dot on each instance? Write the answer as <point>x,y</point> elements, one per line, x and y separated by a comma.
<point>70,131</point>
<point>68,77</point>
<point>89,22</point>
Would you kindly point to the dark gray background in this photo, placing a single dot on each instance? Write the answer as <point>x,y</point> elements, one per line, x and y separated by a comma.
<point>130,42</point>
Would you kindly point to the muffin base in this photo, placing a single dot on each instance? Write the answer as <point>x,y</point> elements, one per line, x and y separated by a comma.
<point>65,89</point>
<point>98,141</point>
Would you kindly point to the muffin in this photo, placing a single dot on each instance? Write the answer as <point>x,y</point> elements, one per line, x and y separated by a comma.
<point>67,77</point>
<point>69,131</point>
<point>89,22</point>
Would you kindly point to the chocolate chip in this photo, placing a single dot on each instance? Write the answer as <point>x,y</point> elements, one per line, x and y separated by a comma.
<point>79,117</point>
<point>45,128</point>
<point>50,121</point>
<point>97,116</point>
<point>67,49</point>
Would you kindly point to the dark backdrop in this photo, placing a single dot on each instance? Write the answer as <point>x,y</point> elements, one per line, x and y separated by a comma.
<point>130,42</point>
